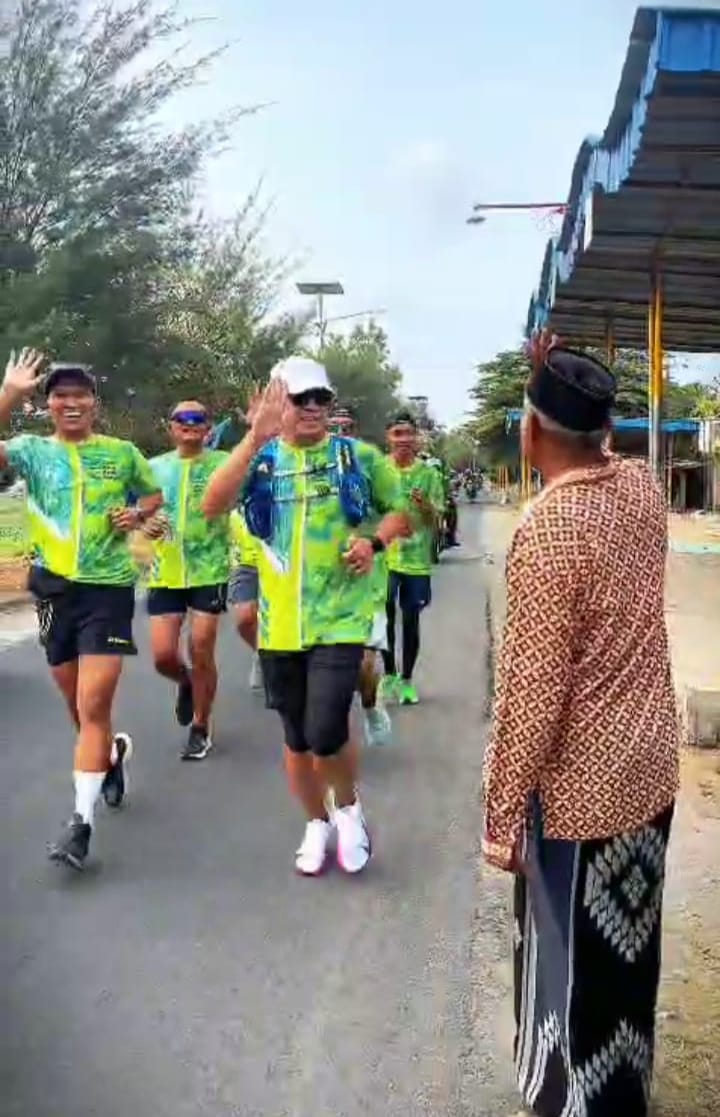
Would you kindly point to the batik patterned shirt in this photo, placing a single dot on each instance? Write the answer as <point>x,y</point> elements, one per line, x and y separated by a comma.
<point>585,715</point>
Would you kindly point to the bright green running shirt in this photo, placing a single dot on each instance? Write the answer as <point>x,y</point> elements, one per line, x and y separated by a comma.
<point>197,549</point>
<point>414,555</point>
<point>379,580</point>
<point>244,546</point>
<point>72,488</point>
<point>307,594</point>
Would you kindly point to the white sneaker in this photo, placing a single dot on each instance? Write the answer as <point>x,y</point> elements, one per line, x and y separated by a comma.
<point>255,681</point>
<point>354,848</point>
<point>311,856</point>
<point>378,726</point>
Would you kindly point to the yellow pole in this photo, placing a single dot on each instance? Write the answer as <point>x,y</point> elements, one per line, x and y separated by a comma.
<point>656,377</point>
<point>651,379</point>
<point>658,374</point>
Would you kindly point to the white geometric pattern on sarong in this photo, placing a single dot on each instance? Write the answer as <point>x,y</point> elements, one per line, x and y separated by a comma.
<point>626,1047</point>
<point>548,1039</point>
<point>622,902</point>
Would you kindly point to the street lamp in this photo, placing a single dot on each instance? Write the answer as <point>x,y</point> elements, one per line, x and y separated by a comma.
<point>320,290</point>
<point>357,314</point>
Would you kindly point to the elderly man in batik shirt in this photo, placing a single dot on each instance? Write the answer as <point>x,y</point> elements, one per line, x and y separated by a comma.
<point>582,765</point>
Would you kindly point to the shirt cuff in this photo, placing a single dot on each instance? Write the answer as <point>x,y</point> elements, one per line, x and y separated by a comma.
<point>498,853</point>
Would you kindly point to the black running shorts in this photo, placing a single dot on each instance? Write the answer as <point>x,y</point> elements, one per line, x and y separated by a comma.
<point>82,618</point>
<point>162,602</point>
<point>313,691</point>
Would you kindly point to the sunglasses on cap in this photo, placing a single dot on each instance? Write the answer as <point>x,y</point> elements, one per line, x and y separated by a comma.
<point>189,418</point>
<point>319,396</point>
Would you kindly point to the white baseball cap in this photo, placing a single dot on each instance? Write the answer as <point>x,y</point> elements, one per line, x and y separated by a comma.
<point>302,374</point>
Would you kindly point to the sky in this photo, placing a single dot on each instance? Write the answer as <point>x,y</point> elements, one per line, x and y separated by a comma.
<point>385,121</point>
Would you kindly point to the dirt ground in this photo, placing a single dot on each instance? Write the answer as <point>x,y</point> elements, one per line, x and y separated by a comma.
<point>688,1067</point>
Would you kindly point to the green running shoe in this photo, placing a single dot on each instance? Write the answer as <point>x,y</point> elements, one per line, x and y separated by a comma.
<point>389,689</point>
<point>408,694</point>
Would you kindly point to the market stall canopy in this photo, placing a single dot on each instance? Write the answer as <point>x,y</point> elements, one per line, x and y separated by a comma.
<point>645,199</point>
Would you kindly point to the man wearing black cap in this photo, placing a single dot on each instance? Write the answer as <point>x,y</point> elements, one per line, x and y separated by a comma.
<point>581,769</point>
<point>410,558</point>
<point>82,575</point>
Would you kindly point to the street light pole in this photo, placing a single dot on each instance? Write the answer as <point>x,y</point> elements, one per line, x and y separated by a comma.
<point>320,290</point>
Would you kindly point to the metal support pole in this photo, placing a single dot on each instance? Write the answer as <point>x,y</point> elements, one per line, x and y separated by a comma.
<point>321,323</point>
<point>610,342</point>
<point>656,378</point>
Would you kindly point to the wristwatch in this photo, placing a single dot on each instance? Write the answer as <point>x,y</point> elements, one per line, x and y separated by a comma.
<point>377,544</point>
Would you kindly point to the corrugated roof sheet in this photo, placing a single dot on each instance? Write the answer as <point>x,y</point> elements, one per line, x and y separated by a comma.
<point>647,193</point>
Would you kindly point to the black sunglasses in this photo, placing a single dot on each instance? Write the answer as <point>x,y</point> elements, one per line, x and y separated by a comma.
<point>189,418</point>
<point>319,396</point>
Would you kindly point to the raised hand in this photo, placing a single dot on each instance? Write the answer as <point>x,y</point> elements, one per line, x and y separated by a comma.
<point>23,374</point>
<point>267,421</point>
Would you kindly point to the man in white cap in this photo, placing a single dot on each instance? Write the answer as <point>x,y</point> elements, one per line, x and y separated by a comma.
<point>307,498</point>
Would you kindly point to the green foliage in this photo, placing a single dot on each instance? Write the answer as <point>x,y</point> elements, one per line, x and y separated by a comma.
<point>500,386</point>
<point>102,258</point>
<point>364,377</point>
<point>80,149</point>
<point>458,448</point>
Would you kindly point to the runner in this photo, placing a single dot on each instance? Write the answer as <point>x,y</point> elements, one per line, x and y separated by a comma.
<point>189,575</point>
<point>410,559</point>
<point>83,574</point>
<point>307,498</point>
<point>377,726</point>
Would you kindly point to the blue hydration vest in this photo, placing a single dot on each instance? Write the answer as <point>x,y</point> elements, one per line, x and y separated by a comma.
<point>258,502</point>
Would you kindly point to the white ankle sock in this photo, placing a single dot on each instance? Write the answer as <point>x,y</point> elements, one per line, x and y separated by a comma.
<point>87,791</point>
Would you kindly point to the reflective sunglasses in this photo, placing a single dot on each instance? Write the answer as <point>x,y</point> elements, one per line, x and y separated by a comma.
<point>189,418</point>
<point>319,396</point>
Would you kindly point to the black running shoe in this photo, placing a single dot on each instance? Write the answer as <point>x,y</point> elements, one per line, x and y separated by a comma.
<point>72,848</point>
<point>113,788</point>
<point>184,703</point>
<point>198,744</point>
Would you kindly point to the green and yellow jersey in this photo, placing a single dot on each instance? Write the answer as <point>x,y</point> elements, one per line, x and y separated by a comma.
<point>307,594</point>
<point>243,545</point>
<point>196,550</point>
<point>414,554</point>
<point>72,487</point>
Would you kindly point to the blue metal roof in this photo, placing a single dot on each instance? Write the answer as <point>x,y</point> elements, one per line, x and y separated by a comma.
<point>669,426</point>
<point>646,193</point>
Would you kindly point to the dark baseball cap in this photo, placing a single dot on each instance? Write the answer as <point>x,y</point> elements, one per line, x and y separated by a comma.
<point>69,373</point>
<point>403,418</point>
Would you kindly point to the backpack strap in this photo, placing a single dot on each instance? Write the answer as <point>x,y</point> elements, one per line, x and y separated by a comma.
<point>257,503</point>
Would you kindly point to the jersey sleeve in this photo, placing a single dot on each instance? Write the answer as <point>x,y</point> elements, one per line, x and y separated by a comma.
<point>385,484</point>
<point>20,454</point>
<point>143,479</point>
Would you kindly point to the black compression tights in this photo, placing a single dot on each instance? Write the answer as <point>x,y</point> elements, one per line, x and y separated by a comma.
<point>410,640</point>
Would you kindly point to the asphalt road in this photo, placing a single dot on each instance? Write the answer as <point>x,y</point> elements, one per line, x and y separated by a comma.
<point>188,971</point>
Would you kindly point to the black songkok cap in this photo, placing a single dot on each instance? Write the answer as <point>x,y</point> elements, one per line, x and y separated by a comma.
<point>574,389</point>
